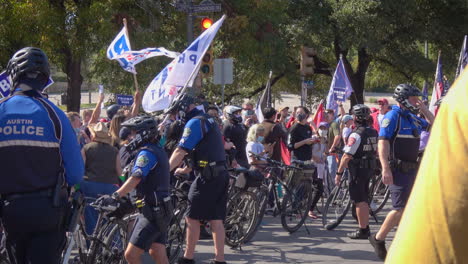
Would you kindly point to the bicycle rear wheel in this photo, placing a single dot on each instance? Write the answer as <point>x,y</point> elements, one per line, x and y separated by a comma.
<point>379,193</point>
<point>176,234</point>
<point>241,215</point>
<point>262,198</point>
<point>337,206</point>
<point>295,206</point>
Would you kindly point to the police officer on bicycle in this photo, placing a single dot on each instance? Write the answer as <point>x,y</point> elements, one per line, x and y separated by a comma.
<point>202,143</point>
<point>40,158</point>
<point>150,177</point>
<point>399,139</point>
<point>360,159</point>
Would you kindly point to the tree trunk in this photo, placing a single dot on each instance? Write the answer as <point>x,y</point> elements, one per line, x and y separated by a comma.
<point>73,71</point>
<point>358,78</point>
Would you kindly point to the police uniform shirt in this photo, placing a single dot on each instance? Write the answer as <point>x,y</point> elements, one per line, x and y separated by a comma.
<point>192,134</point>
<point>27,139</point>
<point>145,162</point>
<point>433,227</point>
<point>406,144</point>
<point>354,140</point>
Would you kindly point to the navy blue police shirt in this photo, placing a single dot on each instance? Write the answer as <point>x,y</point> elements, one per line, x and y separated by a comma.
<point>31,149</point>
<point>403,129</point>
<point>152,166</point>
<point>193,132</point>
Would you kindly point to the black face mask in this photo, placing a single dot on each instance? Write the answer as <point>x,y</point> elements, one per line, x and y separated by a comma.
<point>301,117</point>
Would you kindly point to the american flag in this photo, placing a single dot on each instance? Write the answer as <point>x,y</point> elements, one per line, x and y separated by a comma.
<point>438,90</point>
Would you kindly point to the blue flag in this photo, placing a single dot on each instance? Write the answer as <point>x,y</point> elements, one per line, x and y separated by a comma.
<point>5,84</point>
<point>119,45</point>
<point>463,59</point>
<point>340,88</point>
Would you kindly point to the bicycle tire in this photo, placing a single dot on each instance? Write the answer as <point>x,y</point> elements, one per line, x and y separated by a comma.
<point>176,234</point>
<point>114,243</point>
<point>297,205</point>
<point>340,198</point>
<point>262,196</point>
<point>379,194</point>
<point>242,209</point>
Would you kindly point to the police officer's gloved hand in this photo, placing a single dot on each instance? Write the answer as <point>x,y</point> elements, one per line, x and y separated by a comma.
<point>108,203</point>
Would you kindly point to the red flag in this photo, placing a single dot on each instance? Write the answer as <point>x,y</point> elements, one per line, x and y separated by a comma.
<point>319,115</point>
<point>285,154</point>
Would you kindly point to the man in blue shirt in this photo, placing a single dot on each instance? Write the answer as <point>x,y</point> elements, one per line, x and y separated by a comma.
<point>398,148</point>
<point>202,142</point>
<point>40,156</point>
<point>150,178</point>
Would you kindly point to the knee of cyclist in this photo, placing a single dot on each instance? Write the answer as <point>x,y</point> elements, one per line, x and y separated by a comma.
<point>158,253</point>
<point>216,225</point>
<point>131,256</point>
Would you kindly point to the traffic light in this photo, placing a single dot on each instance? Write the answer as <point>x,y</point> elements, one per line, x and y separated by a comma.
<point>307,61</point>
<point>206,67</point>
<point>206,23</point>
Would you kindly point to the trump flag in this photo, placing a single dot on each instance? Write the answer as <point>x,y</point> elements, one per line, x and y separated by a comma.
<point>119,45</point>
<point>340,88</point>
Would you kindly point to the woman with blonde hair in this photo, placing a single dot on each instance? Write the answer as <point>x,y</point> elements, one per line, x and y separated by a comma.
<point>255,138</point>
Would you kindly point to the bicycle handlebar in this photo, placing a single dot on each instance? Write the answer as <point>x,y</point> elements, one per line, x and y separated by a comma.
<point>274,162</point>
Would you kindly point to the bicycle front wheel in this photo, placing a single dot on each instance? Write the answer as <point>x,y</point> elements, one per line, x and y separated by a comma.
<point>337,206</point>
<point>241,215</point>
<point>115,241</point>
<point>295,206</point>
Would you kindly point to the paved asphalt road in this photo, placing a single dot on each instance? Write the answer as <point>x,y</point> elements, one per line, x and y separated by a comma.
<point>274,245</point>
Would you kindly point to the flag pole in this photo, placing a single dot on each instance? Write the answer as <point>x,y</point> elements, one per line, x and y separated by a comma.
<point>135,80</point>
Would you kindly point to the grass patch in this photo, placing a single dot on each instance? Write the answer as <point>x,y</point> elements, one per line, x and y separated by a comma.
<point>372,100</point>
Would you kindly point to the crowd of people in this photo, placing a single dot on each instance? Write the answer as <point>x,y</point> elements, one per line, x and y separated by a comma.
<point>192,137</point>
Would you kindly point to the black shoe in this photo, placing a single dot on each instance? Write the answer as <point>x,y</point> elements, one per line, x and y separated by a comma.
<point>217,262</point>
<point>379,247</point>
<point>183,260</point>
<point>360,234</point>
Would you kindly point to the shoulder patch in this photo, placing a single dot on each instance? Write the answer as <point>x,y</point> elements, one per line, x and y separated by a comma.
<point>142,161</point>
<point>187,132</point>
<point>351,141</point>
<point>385,122</point>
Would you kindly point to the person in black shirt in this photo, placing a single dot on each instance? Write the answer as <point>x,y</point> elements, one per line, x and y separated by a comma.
<point>300,144</point>
<point>300,137</point>
<point>234,131</point>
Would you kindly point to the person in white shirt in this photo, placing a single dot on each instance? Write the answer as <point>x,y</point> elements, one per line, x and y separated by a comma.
<point>254,138</point>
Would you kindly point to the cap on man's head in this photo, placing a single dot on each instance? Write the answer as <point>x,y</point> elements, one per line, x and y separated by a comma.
<point>382,101</point>
<point>323,124</point>
<point>346,118</point>
<point>269,112</point>
<point>283,108</point>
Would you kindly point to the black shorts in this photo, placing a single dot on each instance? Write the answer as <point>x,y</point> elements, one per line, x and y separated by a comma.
<point>401,188</point>
<point>146,233</point>
<point>207,199</point>
<point>359,184</point>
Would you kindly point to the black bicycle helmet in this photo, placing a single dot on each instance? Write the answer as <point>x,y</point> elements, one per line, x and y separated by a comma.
<point>112,110</point>
<point>146,128</point>
<point>403,92</point>
<point>30,63</point>
<point>361,112</point>
<point>180,103</point>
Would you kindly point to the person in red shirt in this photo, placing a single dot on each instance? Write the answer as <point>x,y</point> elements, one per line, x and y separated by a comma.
<point>378,116</point>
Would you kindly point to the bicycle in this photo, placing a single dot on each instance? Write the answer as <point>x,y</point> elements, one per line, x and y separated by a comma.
<point>3,253</point>
<point>295,203</point>
<point>242,206</point>
<point>109,239</point>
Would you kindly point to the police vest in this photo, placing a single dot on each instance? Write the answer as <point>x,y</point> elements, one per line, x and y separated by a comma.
<point>30,135</point>
<point>368,147</point>
<point>156,185</point>
<point>211,147</point>
<point>405,146</point>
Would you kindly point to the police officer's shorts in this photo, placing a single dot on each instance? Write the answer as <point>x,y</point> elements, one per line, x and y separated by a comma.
<point>359,184</point>
<point>207,199</point>
<point>401,188</point>
<point>146,233</point>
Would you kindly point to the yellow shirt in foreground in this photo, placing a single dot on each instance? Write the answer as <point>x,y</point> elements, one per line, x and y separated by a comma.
<point>434,227</point>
